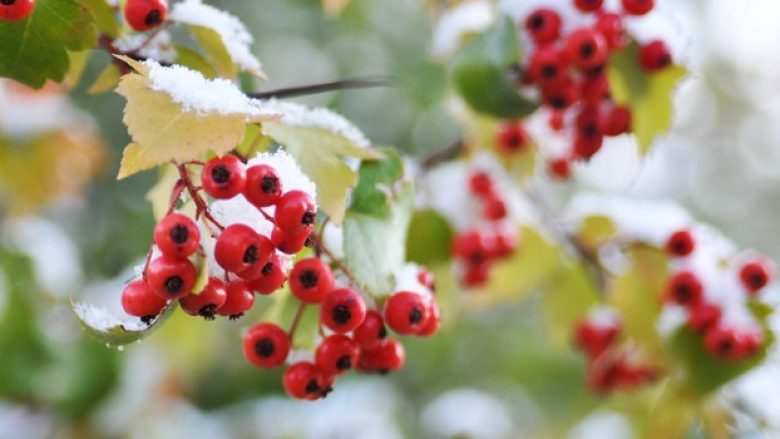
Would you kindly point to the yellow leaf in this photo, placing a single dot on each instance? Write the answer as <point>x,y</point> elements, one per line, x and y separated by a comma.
<point>78,61</point>
<point>215,51</point>
<point>106,80</point>
<point>160,194</point>
<point>595,230</point>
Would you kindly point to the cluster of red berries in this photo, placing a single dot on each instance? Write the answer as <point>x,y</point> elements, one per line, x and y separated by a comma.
<point>568,71</point>
<point>684,288</point>
<point>143,15</point>
<point>14,10</point>
<point>609,368</point>
<point>479,247</point>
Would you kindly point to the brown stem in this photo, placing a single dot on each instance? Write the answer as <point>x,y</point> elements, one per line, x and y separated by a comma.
<point>148,261</point>
<point>201,207</point>
<point>350,83</point>
<point>339,265</point>
<point>296,321</point>
<point>441,155</point>
<point>151,36</point>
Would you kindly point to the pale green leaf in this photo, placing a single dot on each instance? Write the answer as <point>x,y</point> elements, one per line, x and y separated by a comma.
<point>107,80</point>
<point>104,16</point>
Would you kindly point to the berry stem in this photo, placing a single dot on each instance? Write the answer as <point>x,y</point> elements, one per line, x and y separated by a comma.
<point>296,321</point>
<point>148,260</point>
<point>201,206</point>
<point>151,36</point>
<point>335,261</point>
<point>267,216</point>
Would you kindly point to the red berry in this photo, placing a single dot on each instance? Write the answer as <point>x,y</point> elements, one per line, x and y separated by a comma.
<point>239,248</point>
<point>494,208</point>
<point>289,243</point>
<point>311,280</point>
<point>511,138</point>
<point>596,337</point>
<point>754,276</point>
<point>680,243</point>
<point>638,7</point>
<point>588,137</point>
<point>505,241</point>
<point>480,183</point>
<point>208,301</point>
<point>616,121</point>
<point>559,168</point>
<point>473,245</point>
<point>272,276</point>
<point>684,289</point>
<point>654,56</point>
<point>388,356</point>
<point>476,274</point>
<point>594,90</point>
<point>304,380</point>
<point>177,235</point>
<point>239,300</point>
<point>266,345</point>
<point>602,376</point>
<point>143,15</point>
<point>171,278</point>
<point>544,25</point>
<point>560,95</point>
<point>336,354</point>
<point>611,27</point>
<point>730,343</point>
<point>14,10</point>
<point>223,177</point>
<point>703,316</point>
<point>371,331</point>
<point>265,250</point>
<point>295,212</point>
<point>342,310</point>
<point>138,299</point>
<point>547,66</point>
<point>586,49</point>
<point>426,279</point>
<point>588,5</point>
<point>407,312</point>
<point>556,120</point>
<point>432,326</point>
<point>263,186</point>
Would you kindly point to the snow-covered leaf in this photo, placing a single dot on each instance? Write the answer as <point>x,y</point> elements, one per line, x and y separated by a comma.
<point>114,330</point>
<point>195,61</point>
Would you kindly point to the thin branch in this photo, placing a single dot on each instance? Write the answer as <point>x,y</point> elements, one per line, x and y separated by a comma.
<point>442,155</point>
<point>343,84</point>
<point>296,321</point>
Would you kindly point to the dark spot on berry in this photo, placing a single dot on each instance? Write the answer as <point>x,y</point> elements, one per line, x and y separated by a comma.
<point>268,269</point>
<point>725,346</point>
<point>236,316</point>
<point>308,278</point>
<point>146,319</point>
<point>312,386</point>
<point>179,234</point>
<point>270,184</point>
<point>309,242</point>
<point>153,17</point>
<point>664,60</point>
<point>324,392</point>
<point>341,314</point>
<point>683,293</point>
<point>757,280</point>
<point>7,2</point>
<point>382,334</point>
<point>382,371</point>
<point>558,102</point>
<point>536,22</point>
<point>308,218</point>
<point>264,348</point>
<point>344,363</point>
<point>250,255</point>
<point>587,50</point>
<point>220,174</point>
<point>549,71</point>
<point>678,247</point>
<point>590,129</point>
<point>174,284</point>
<point>208,311</point>
<point>415,316</point>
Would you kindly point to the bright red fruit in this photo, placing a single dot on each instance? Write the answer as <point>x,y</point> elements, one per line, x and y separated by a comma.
<point>480,183</point>
<point>680,243</point>
<point>388,356</point>
<point>289,243</point>
<point>703,316</point>
<point>512,138</point>
<point>177,235</point>
<point>730,343</point>
<point>586,49</point>
<point>432,326</point>
<point>684,288</point>
<point>638,7</point>
<point>426,279</point>
<point>14,10</point>
<point>263,185</point>
<point>611,27</point>
<point>311,280</point>
<point>544,25</point>
<point>596,337</point>
<point>138,299</point>
<point>473,245</point>
<point>547,66</point>
<point>239,300</point>
<point>272,276</point>
<point>342,310</point>
<point>560,95</point>
<point>336,354</point>
<point>616,121</point>
<point>304,380</point>
<point>407,312</point>
<point>475,274</point>
<point>588,5</point>
<point>207,302</point>
<point>266,345</point>
<point>295,212</point>
<point>559,168</point>
<point>494,208</point>
<point>223,177</point>
<point>171,278</point>
<point>754,276</point>
<point>654,56</point>
<point>143,15</point>
<point>239,248</point>
<point>371,332</point>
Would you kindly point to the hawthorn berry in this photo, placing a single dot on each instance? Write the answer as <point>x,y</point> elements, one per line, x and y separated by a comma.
<point>616,121</point>
<point>480,183</point>
<point>336,354</point>
<point>311,280</point>
<point>611,27</point>
<point>171,278</point>
<point>475,274</point>
<point>304,380</point>
<point>544,25</point>
<point>289,243</point>
<point>407,312</point>
<point>493,208</point>
<point>596,337</point>
<point>371,332</point>
<point>654,56</point>
<point>555,120</point>
<point>432,326</point>
<point>684,288</point>
<point>588,5</point>
<point>638,7</point>
<point>511,138</point>
<point>559,168</point>
<point>295,212</point>
<point>560,95</point>
<point>263,185</point>
<point>594,90</point>
<point>680,243</point>
<point>388,356</point>
<point>342,310</point>
<point>207,302</point>
<point>586,49</point>
<point>603,376</point>
<point>547,66</point>
<point>505,241</point>
<point>177,235</point>
<point>426,279</point>
<point>732,344</point>
<point>143,15</point>
<point>223,177</point>
<point>472,245</point>
<point>239,248</point>
<point>266,345</point>
<point>272,276</point>
<point>239,300</point>
<point>754,276</point>
<point>139,300</point>
<point>14,10</point>
<point>703,316</point>
<point>255,271</point>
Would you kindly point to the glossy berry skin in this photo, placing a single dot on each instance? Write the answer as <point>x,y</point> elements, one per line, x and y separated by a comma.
<point>504,243</point>
<point>311,280</point>
<point>685,289</point>
<point>207,302</point>
<point>472,245</point>
<point>171,278</point>
<point>594,338</point>
<point>544,25</point>
<point>143,15</point>
<point>223,177</point>
<point>239,248</point>
<point>336,354</point>
<point>638,7</point>
<point>295,212</point>
<point>426,279</point>
<point>616,121</point>
<point>480,183</point>
<point>289,243</point>
<point>304,380</point>
<point>388,356</point>
<point>177,235</point>
<point>547,66</point>
<point>754,276</point>
<point>138,299</point>
<point>239,300</point>
<point>611,27</point>
<point>555,121</point>
<point>512,138</point>
<point>343,310</point>
<point>586,49</point>
<point>559,168</point>
<point>265,249</point>
<point>494,208</point>
<point>703,316</point>
<point>266,345</point>
<point>272,276</point>
<point>263,186</point>
<point>475,274</point>
<point>654,56</point>
<point>432,326</point>
<point>407,313</point>
<point>371,332</point>
<point>15,10</point>
<point>588,5</point>
<point>732,344</point>
<point>594,90</point>
<point>561,95</point>
<point>680,243</point>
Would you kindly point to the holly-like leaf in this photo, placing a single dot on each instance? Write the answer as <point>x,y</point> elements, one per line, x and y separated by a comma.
<point>164,129</point>
<point>375,233</point>
<point>320,141</point>
<point>429,239</point>
<point>480,73</point>
<point>648,94</point>
<point>113,330</point>
<point>104,16</point>
<point>34,49</point>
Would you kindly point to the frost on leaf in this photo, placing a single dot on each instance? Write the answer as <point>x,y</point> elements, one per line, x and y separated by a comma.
<point>112,329</point>
<point>233,35</point>
<point>174,113</point>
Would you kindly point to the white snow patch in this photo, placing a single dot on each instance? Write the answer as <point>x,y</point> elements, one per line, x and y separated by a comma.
<point>159,48</point>
<point>303,116</point>
<point>102,319</point>
<point>468,17</point>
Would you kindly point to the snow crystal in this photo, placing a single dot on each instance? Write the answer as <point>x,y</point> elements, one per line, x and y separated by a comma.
<point>467,17</point>
<point>159,48</point>
<point>102,319</point>
<point>234,34</point>
<point>300,115</point>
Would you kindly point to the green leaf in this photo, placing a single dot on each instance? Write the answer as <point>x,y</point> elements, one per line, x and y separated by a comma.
<point>214,48</point>
<point>107,328</point>
<point>569,297</point>
<point>192,59</point>
<point>34,49</point>
<point>374,232</point>
<point>595,230</point>
<point>429,238</point>
<point>480,73</point>
<point>104,16</point>
<point>648,94</point>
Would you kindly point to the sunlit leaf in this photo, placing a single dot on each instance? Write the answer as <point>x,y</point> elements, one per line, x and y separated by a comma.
<point>192,59</point>
<point>429,238</point>
<point>114,330</point>
<point>107,80</point>
<point>595,230</point>
<point>216,53</point>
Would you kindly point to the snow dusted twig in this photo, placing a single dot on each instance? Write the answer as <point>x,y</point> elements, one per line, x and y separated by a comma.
<point>343,84</point>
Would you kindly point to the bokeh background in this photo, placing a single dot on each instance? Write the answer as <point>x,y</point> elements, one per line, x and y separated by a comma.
<point>68,228</point>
